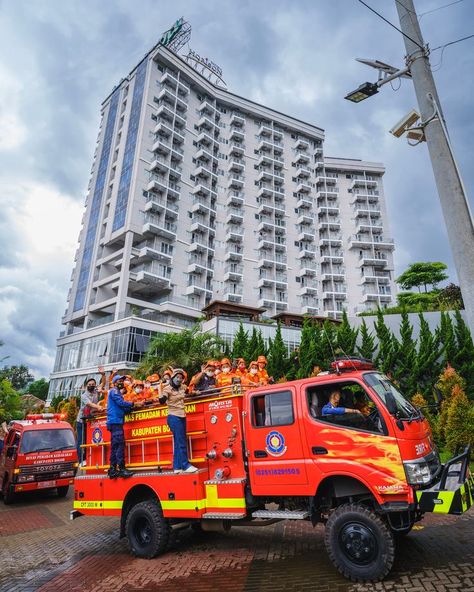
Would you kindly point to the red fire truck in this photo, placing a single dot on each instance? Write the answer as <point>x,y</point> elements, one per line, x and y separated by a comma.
<point>39,453</point>
<point>268,454</point>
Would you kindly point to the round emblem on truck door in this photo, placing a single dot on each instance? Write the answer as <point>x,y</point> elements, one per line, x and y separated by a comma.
<point>275,444</point>
<point>97,436</point>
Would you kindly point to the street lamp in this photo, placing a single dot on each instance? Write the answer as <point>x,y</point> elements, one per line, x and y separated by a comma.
<point>364,91</point>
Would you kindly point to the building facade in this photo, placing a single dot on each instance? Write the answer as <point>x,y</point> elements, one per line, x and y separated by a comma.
<point>196,195</point>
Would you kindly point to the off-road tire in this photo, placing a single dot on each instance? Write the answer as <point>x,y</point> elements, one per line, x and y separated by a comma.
<point>62,491</point>
<point>147,531</point>
<point>8,495</point>
<point>359,543</point>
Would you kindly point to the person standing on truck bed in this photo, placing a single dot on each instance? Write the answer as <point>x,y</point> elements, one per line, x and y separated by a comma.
<point>89,401</point>
<point>174,394</point>
<point>117,407</point>
<point>332,407</point>
<point>206,379</point>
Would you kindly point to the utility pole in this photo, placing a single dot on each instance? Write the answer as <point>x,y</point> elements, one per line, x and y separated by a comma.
<point>456,211</point>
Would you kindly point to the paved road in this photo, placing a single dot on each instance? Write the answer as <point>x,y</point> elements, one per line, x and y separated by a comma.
<point>41,550</point>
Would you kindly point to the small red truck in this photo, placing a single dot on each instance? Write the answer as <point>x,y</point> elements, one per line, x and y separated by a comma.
<point>272,453</point>
<point>39,453</point>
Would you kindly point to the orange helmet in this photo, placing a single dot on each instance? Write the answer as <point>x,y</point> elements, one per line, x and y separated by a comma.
<point>241,361</point>
<point>253,364</point>
<point>138,383</point>
<point>210,364</point>
<point>167,373</point>
<point>261,360</point>
<point>216,363</point>
<point>225,361</point>
<point>153,377</point>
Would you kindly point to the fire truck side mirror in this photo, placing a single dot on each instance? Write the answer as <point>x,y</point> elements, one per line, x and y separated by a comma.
<point>11,451</point>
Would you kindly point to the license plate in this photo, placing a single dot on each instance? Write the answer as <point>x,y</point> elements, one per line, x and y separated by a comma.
<point>46,484</point>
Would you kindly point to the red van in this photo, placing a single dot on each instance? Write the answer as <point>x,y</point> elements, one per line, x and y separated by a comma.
<point>39,453</point>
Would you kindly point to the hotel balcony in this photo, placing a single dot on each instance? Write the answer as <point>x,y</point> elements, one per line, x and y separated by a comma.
<point>321,180</point>
<point>152,275</point>
<point>235,215</point>
<point>237,165</point>
<point>303,172</point>
<point>335,276</point>
<point>305,219</point>
<point>309,290</point>
<point>265,130</point>
<point>330,241</point>
<point>151,251</point>
<point>306,252</point>
<point>236,119</point>
<point>161,206</point>
<point>336,294</point>
<point>269,160</point>
<point>207,107</point>
<point>307,269</point>
<point>205,138</point>
<point>305,203</point>
<point>235,198</point>
<point>328,210</point>
<point>334,257</point>
<point>206,123</point>
<point>233,272</point>
<point>301,157</point>
<point>369,183</point>
<point>332,193</point>
<point>234,253</point>
<point>237,134</point>
<point>157,226</point>
<point>205,155</point>
<point>236,181</point>
<point>375,278</point>
<point>234,235</point>
<point>202,188</point>
<point>373,260</point>
<point>310,310</point>
<point>303,188</point>
<point>376,297</point>
<point>302,144</point>
<point>165,112</point>
<point>236,149</point>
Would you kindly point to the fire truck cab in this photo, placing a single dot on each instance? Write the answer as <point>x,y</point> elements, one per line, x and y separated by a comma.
<point>39,453</point>
<point>279,452</point>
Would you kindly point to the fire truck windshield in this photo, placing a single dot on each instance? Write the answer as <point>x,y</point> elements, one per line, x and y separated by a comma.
<point>385,390</point>
<point>47,441</point>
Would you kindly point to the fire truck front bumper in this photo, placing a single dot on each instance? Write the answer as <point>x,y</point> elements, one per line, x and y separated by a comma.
<point>42,485</point>
<point>454,492</point>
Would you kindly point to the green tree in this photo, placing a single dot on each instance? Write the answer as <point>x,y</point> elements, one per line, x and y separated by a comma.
<point>277,356</point>
<point>460,421</point>
<point>367,344</point>
<point>346,337</point>
<point>447,338</point>
<point>428,273</point>
<point>404,361</point>
<point>262,348</point>
<point>188,349</point>
<point>10,402</point>
<point>427,365</point>
<point>18,376</point>
<point>240,343</point>
<point>387,351</point>
<point>252,351</point>
<point>325,345</point>
<point>464,359</point>
<point>39,388</point>
<point>450,297</point>
<point>306,349</point>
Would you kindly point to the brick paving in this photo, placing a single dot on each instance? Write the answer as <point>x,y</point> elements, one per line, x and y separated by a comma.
<point>41,550</point>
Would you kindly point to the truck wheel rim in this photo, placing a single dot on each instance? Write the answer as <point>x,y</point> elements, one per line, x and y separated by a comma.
<point>143,531</point>
<point>358,543</point>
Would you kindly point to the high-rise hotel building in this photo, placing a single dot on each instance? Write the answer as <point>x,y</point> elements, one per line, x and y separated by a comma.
<point>196,195</point>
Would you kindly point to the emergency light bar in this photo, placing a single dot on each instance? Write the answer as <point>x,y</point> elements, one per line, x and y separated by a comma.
<point>33,416</point>
<point>351,363</point>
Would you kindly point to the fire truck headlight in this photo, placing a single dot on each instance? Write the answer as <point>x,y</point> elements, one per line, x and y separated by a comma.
<point>66,474</point>
<point>418,473</point>
<point>25,478</point>
<point>228,453</point>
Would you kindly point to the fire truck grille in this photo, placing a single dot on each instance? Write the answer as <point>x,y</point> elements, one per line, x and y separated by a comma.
<point>46,472</point>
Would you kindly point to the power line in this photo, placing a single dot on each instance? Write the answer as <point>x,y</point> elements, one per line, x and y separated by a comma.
<point>391,24</point>
<point>439,8</point>
<point>453,42</point>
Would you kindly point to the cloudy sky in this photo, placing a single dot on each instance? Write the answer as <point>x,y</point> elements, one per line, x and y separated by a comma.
<point>60,58</point>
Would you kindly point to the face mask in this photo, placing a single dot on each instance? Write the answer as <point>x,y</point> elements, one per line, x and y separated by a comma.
<point>210,373</point>
<point>225,369</point>
<point>138,390</point>
<point>91,388</point>
<point>119,385</point>
<point>253,371</point>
